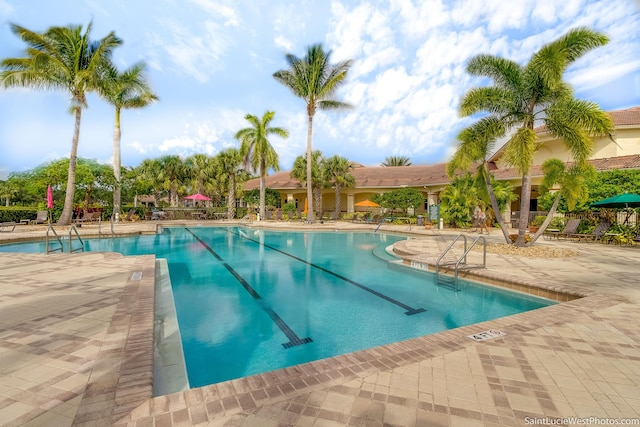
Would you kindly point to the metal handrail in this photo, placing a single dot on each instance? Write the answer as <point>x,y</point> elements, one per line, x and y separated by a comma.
<point>449,248</point>
<point>61,248</point>
<point>81,248</point>
<point>463,258</point>
<point>245,220</point>
<point>464,255</point>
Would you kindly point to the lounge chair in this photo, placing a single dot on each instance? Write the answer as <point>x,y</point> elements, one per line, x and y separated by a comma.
<point>86,217</point>
<point>569,229</point>
<point>130,215</point>
<point>41,218</point>
<point>595,235</point>
<point>7,227</point>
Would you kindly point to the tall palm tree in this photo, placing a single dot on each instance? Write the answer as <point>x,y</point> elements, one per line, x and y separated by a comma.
<point>256,149</point>
<point>396,161</point>
<point>522,97</point>
<point>61,58</point>
<point>316,81</point>
<point>229,162</point>
<point>300,172</point>
<point>128,89</point>
<point>337,172</point>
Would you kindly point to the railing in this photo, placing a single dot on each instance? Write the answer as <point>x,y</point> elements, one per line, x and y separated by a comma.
<point>73,229</point>
<point>47,239</point>
<point>245,220</point>
<point>462,260</point>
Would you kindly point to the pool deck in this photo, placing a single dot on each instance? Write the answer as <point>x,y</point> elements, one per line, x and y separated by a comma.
<point>76,348</point>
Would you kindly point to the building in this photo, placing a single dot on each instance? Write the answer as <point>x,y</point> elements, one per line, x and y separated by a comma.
<point>621,153</point>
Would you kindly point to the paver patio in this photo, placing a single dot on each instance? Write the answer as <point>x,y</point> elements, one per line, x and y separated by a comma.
<point>76,348</point>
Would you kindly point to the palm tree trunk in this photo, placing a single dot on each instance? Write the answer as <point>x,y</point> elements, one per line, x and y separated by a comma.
<point>525,200</point>
<point>117,166</point>
<point>310,214</point>
<point>231,203</point>
<point>337,201</point>
<point>67,210</point>
<point>262,194</point>
<point>495,207</point>
<point>547,220</point>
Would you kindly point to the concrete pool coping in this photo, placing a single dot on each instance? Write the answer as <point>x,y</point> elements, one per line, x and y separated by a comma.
<point>534,370</point>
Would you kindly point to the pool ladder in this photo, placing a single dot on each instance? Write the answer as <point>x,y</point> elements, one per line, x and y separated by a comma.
<point>60,248</point>
<point>452,281</point>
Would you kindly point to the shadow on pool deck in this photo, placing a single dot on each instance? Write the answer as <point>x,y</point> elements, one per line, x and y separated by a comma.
<point>76,346</point>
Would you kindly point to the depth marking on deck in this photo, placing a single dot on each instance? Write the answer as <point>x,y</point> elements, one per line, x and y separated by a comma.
<point>410,310</point>
<point>294,340</point>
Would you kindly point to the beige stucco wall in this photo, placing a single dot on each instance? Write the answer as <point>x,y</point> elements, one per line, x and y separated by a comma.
<point>627,143</point>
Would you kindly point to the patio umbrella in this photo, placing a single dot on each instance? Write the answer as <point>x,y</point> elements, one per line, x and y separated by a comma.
<point>366,204</point>
<point>49,198</point>
<point>197,196</point>
<point>625,200</point>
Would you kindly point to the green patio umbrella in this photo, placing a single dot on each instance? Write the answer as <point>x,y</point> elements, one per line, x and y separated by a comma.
<point>625,200</point>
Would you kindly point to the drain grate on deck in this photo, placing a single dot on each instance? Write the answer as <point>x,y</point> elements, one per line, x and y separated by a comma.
<point>487,335</point>
<point>136,275</point>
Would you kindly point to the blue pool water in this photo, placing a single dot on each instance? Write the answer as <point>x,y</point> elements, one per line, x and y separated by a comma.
<point>250,301</point>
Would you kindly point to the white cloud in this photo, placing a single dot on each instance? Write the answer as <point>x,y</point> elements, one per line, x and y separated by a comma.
<point>216,10</point>
<point>197,52</point>
<point>284,43</point>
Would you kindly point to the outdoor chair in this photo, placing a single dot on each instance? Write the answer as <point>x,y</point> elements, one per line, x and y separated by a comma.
<point>569,229</point>
<point>86,217</point>
<point>41,218</point>
<point>595,235</point>
<point>7,227</point>
<point>130,215</point>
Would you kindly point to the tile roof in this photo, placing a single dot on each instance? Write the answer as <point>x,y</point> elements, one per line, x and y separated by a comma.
<point>419,176</point>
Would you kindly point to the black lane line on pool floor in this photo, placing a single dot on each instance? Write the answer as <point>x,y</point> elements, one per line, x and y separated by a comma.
<point>294,340</point>
<point>410,310</point>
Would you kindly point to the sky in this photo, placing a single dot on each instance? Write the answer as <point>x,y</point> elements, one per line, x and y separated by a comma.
<point>211,62</point>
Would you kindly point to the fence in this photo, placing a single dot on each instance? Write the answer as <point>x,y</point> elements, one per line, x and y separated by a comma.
<point>624,217</point>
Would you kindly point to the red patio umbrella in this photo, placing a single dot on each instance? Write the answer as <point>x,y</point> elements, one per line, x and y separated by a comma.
<point>197,196</point>
<point>49,198</point>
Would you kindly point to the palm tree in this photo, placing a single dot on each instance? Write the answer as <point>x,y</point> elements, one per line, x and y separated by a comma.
<point>201,169</point>
<point>256,149</point>
<point>61,58</point>
<point>170,174</point>
<point>315,80</point>
<point>337,172</point>
<point>229,162</point>
<point>300,172</point>
<point>128,89</point>
<point>396,161</point>
<point>523,96</point>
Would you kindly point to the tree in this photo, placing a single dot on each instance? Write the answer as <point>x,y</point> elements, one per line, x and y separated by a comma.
<point>313,79</point>
<point>128,89</point>
<point>396,161</point>
<point>61,58</point>
<point>458,199</point>
<point>522,96</point>
<point>572,182</point>
<point>300,171</point>
<point>169,174</point>
<point>337,173</point>
<point>202,170</point>
<point>256,149</point>
<point>402,198</point>
<point>229,162</point>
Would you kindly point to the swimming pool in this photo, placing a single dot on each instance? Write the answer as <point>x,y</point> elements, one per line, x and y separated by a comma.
<point>251,301</point>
